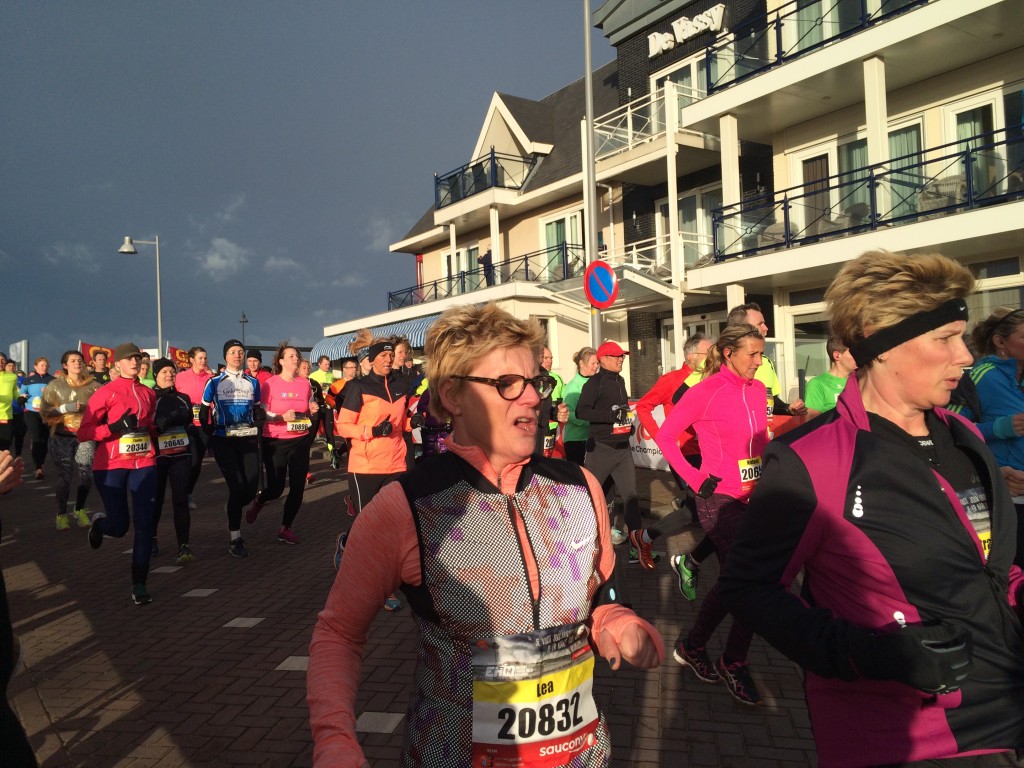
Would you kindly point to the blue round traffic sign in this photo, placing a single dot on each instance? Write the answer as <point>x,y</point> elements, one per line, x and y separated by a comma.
<point>600,284</point>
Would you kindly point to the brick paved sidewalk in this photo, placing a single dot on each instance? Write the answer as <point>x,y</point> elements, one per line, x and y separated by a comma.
<point>212,673</point>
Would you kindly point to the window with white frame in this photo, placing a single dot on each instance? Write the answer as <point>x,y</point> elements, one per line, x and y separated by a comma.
<point>696,232</point>
<point>558,234</point>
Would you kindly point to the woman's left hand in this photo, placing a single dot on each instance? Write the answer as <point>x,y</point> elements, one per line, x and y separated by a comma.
<point>634,645</point>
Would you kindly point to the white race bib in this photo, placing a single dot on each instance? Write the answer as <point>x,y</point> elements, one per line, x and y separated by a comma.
<point>173,442</point>
<point>134,444</point>
<point>533,701</point>
<point>301,424</point>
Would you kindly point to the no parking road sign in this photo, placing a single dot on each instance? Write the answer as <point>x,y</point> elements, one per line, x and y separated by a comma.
<point>600,285</point>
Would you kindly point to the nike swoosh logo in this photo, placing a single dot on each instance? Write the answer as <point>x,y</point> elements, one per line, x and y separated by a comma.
<point>579,544</point>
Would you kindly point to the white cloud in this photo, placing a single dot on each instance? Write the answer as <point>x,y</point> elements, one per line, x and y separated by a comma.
<point>223,259</point>
<point>349,281</point>
<point>229,211</point>
<point>381,233</point>
<point>74,255</point>
<point>283,265</point>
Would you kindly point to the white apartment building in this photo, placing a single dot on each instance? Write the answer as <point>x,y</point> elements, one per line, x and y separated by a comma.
<point>744,151</point>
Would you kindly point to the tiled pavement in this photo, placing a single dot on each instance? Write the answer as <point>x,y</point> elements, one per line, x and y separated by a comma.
<point>212,672</point>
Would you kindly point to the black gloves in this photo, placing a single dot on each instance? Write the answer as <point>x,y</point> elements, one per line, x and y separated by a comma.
<point>127,423</point>
<point>934,657</point>
<point>708,486</point>
<point>383,429</point>
<point>417,421</point>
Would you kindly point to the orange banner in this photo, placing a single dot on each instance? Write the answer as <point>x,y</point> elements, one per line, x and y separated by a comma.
<point>179,357</point>
<point>88,350</point>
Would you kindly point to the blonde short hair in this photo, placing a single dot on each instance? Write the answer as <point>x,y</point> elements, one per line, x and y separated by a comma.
<point>463,335</point>
<point>879,289</point>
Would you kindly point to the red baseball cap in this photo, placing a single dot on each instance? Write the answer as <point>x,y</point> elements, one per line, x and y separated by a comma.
<point>611,348</point>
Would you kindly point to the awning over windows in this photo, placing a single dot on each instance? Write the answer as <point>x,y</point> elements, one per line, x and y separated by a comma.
<point>336,347</point>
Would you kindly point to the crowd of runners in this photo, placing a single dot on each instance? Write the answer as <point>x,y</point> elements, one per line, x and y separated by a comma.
<point>501,521</point>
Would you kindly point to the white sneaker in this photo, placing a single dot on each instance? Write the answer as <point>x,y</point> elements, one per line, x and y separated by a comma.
<point>618,537</point>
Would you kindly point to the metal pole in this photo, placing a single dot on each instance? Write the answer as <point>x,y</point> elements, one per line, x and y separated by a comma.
<point>590,172</point>
<point>159,313</point>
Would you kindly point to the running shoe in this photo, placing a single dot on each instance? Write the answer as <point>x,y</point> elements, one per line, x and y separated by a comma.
<point>156,548</point>
<point>392,603</point>
<point>350,506</point>
<point>237,548</point>
<point>634,556</point>
<point>82,518</point>
<point>688,573</point>
<point>140,595</point>
<point>618,537</point>
<point>191,504</point>
<point>185,554</point>
<point>95,536</point>
<point>678,503</point>
<point>286,535</point>
<point>698,660</point>
<point>643,548</point>
<point>310,478</point>
<point>252,509</point>
<point>39,474</point>
<point>335,460</point>
<point>738,680</point>
<point>64,522</point>
<point>339,549</point>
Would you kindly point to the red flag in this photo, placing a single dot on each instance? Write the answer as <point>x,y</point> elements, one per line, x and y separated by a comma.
<point>179,357</point>
<point>88,350</point>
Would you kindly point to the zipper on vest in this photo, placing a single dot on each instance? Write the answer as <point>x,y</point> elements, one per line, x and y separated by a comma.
<point>513,512</point>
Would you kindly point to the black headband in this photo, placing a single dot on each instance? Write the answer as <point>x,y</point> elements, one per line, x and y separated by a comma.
<point>380,346</point>
<point>867,349</point>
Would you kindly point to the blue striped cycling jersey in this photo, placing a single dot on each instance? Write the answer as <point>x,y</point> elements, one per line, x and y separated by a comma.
<point>232,396</point>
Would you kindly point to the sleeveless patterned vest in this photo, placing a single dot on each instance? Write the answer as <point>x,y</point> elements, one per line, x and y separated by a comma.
<point>476,603</point>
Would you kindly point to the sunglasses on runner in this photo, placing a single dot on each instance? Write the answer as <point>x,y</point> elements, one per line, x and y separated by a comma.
<point>511,385</point>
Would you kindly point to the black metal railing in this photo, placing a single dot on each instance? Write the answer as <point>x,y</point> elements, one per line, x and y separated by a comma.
<point>492,170</point>
<point>962,175</point>
<point>790,31</point>
<point>559,262</point>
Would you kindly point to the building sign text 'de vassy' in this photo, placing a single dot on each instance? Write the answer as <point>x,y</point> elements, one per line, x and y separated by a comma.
<point>685,28</point>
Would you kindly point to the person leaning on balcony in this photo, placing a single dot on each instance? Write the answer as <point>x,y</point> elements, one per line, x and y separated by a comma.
<point>486,261</point>
<point>751,313</point>
<point>506,559</point>
<point>997,380</point>
<point>893,509</point>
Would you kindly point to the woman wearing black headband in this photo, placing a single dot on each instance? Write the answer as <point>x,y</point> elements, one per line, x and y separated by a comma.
<point>908,625</point>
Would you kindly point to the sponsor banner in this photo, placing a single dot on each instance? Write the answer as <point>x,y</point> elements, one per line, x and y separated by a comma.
<point>179,357</point>
<point>646,452</point>
<point>88,350</point>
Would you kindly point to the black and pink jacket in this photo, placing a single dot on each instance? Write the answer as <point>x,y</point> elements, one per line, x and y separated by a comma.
<point>881,537</point>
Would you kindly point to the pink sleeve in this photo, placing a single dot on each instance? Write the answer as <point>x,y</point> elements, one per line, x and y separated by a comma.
<point>683,415</point>
<point>1016,591</point>
<point>381,553</point>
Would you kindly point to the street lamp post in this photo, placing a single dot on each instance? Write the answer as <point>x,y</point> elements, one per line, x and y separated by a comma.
<point>129,248</point>
<point>243,321</point>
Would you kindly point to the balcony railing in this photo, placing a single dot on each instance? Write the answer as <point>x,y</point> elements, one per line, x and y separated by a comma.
<point>493,170</point>
<point>966,174</point>
<point>559,262</point>
<point>639,121</point>
<point>653,255</point>
<point>790,31</point>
